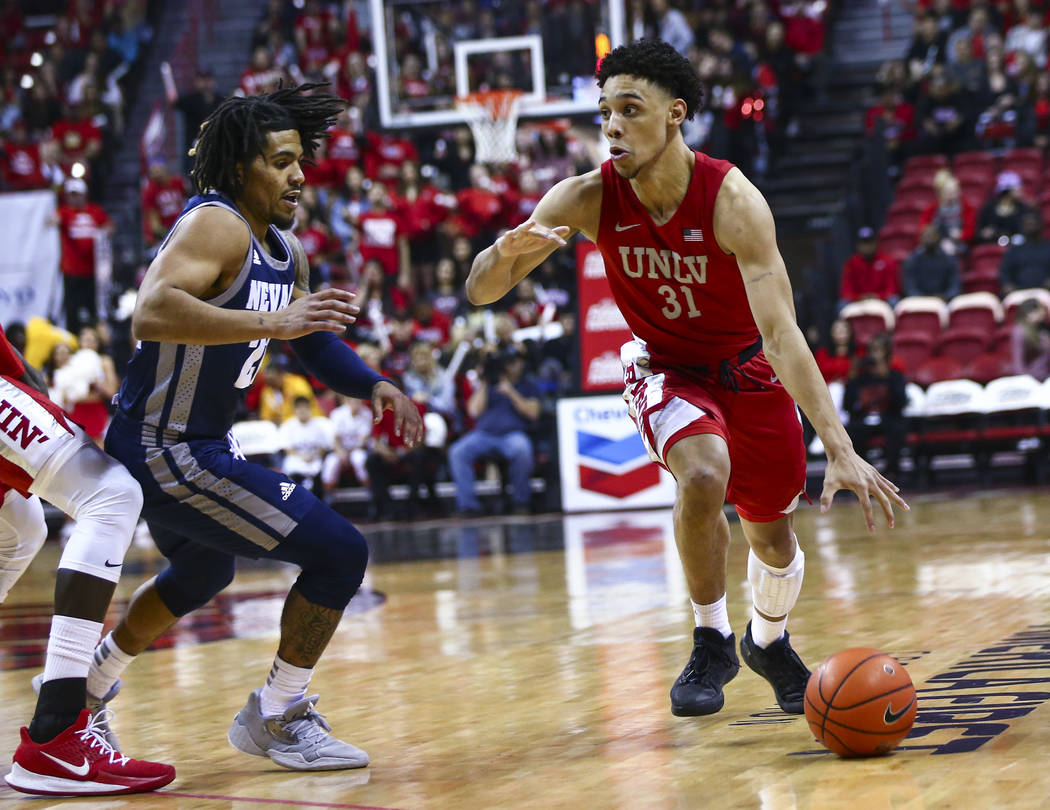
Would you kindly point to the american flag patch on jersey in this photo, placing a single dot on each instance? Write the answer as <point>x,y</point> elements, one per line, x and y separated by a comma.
<point>692,235</point>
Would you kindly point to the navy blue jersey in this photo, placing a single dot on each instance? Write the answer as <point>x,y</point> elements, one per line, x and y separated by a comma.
<point>181,391</point>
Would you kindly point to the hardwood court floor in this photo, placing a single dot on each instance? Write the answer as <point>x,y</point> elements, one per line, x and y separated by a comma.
<point>530,669</point>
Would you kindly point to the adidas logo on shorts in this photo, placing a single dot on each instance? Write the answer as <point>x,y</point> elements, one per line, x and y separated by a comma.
<point>286,490</point>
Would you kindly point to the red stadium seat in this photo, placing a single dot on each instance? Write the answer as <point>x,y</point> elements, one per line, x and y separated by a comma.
<point>919,198</point>
<point>905,226</point>
<point>912,349</point>
<point>983,278</point>
<point>919,179</point>
<point>1026,159</point>
<point>989,366</point>
<point>1001,340</point>
<point>974,159</point>
<point>921,314</point>
<point>898,246</point>
<point>963,344</point>
<point>1013,300</point>
<point>987,250</point>
<point>936,369</point>
<point>980,311</point>
<point>926,162</point>
<point>976,174</point>
<point>868,318</point>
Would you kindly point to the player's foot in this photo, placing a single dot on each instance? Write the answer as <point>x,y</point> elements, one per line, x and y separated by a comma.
<point>781,666</point>
<point>297,739</point>
<point>712,665</point>
<point>79,762</point>
<point>96,705</point>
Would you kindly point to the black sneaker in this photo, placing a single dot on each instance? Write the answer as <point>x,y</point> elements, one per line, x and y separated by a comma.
<point>781,666</point>
<point>712,665</point>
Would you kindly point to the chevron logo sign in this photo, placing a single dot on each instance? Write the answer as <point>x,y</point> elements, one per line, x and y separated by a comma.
<point>615,467</point>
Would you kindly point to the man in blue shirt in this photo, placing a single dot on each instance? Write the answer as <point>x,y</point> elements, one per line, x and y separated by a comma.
<point>502,406</point>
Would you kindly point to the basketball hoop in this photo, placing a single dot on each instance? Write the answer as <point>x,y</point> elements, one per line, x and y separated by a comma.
<point>493,119</point>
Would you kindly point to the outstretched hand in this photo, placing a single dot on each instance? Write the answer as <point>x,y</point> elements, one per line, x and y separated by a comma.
<point>530,236</point>
<point>408,424</point>
<point>330,310</point>
<point>850,471</point>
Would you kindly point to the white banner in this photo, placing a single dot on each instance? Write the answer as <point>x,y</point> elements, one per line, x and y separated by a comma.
<point>603,461</point>
<point>29,274</point>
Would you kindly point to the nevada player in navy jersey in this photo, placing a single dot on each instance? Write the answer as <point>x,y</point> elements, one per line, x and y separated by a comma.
<point>225,281</point>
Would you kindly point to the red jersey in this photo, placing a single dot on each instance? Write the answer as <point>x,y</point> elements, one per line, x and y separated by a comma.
<point>78,228</point>
<point>167,199</point>
<point>676,288</point>
<point>10,365</point>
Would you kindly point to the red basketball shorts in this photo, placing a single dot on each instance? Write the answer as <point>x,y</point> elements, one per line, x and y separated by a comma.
<point>760,424</point>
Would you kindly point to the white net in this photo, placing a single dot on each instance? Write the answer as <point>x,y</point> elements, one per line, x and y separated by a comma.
<point>493,119</point>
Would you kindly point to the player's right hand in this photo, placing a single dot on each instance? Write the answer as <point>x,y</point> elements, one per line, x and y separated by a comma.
<point>330,310</point>
<point>530,236</point>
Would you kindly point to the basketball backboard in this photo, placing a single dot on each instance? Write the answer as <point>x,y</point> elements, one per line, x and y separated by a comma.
<point>428,52</point>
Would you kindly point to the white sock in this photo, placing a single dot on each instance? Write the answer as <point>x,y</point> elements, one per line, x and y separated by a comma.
<point>69,647</point>
<point>764,632</point>
<point>106,665</point>
<point>714,615</point>
<point>285,685</point>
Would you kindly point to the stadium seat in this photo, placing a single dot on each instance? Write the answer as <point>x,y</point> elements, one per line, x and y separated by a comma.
<point>908,205</point>
<point>905,227</point>
<point>964,159</point>
<point>1015,419</point>
<point>1013,300</point>
<point>868,318</point>
<point>978,310</point>
<point>917,179</point>
<point>926,163</point>
<point>988,366</point>
<point>918,198</point>
<point>984,278</point>
<point>977,174</point>
<point>898,247</point>
<point>963,343</point>
<point>936,369</point>
<point>1023,160</point>
<point>950,424</point>
<point>980,251</point>
<point>912,349</point>
<point>916,400</point>
<point>921,313</point>
<point>1002,338</point>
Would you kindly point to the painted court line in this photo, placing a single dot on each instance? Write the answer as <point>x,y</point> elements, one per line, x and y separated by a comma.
<point>270,801</point>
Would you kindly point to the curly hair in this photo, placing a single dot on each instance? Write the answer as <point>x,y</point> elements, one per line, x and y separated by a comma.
<point>658,62</point>
<point>235,133</point>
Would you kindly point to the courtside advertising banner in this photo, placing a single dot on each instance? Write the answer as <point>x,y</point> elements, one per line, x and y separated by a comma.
<point>604,464</point>
<point>602,327</point>
<point>29,275</point>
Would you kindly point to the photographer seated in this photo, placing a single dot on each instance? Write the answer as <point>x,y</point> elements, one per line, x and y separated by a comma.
<point>502,407</point>
<point>875,398</point>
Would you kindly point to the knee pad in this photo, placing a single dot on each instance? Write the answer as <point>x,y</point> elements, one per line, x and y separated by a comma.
<point>183,587</point>
<point>775,590</point>
<point>106,503</point>
<point>332,555</point>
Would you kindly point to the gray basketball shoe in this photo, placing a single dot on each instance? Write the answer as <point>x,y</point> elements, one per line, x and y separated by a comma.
<point>297,739</point>
<point>96,706</point>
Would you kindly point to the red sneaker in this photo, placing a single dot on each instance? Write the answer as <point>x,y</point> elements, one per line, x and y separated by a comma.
<point>79,762</point>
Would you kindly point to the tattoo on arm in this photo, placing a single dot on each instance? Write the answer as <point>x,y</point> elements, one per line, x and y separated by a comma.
<point>302,264</point>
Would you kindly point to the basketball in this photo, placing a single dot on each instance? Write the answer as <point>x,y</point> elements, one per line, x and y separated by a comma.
<point>860,702</point>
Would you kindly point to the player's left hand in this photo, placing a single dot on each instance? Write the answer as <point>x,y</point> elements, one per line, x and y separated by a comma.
<point>850,471</point>
<point>408,423</point>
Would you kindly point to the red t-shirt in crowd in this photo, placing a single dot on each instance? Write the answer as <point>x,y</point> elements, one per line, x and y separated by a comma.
<point>869,277</point>
<point>167,199</point>
<point>78,228</point>
<point>22,168</point>
<point>75,137</point>
<point>379,233</point>
<point>385,154</point>
<point>343,151</point>
<point>969,219</point>
<point>478,210</point>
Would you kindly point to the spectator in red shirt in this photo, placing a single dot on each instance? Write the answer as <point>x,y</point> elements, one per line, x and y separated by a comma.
<point>316,30</point>
<point>261,76</point>
<point>163,197</point>
<point>480,209</point>
<point>869,273</point>
<point>79,222</point>
<point>78,138</point>
<point>431,325</point>
<point>322,173</point>
<point>318,243</point>
<point>894,119</point>
<point>384,156</point>
<point>344,148</point>
<point>25,167</point>
<point>352,81</point>
<point>382,234</point>
<point>835,359</point>
<point>410,82</point>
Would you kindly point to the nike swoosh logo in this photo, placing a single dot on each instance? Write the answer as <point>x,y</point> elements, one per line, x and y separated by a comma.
<point>891,717</point>
<point>108,564</point>
<point>620,227</point>
<point>79,770</point>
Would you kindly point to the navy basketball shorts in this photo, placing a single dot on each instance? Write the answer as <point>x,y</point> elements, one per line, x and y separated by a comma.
<point>205,505</point>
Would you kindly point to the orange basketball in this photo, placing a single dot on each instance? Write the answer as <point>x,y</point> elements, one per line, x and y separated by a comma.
<point>860,703</point>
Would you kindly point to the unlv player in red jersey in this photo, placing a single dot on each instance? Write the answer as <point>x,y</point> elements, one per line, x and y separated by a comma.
<point>67,750</point>
<point>717,360</point>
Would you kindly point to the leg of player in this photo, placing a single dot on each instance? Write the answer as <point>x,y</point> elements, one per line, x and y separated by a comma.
<point>280,721</point>
<point>22,533</point>
<point>775,568</point>
<point>700,465</point>
<point>64,751</point>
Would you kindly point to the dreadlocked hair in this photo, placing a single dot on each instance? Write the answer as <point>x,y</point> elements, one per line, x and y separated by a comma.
<point>235,133</point>
<point>658,62</point>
